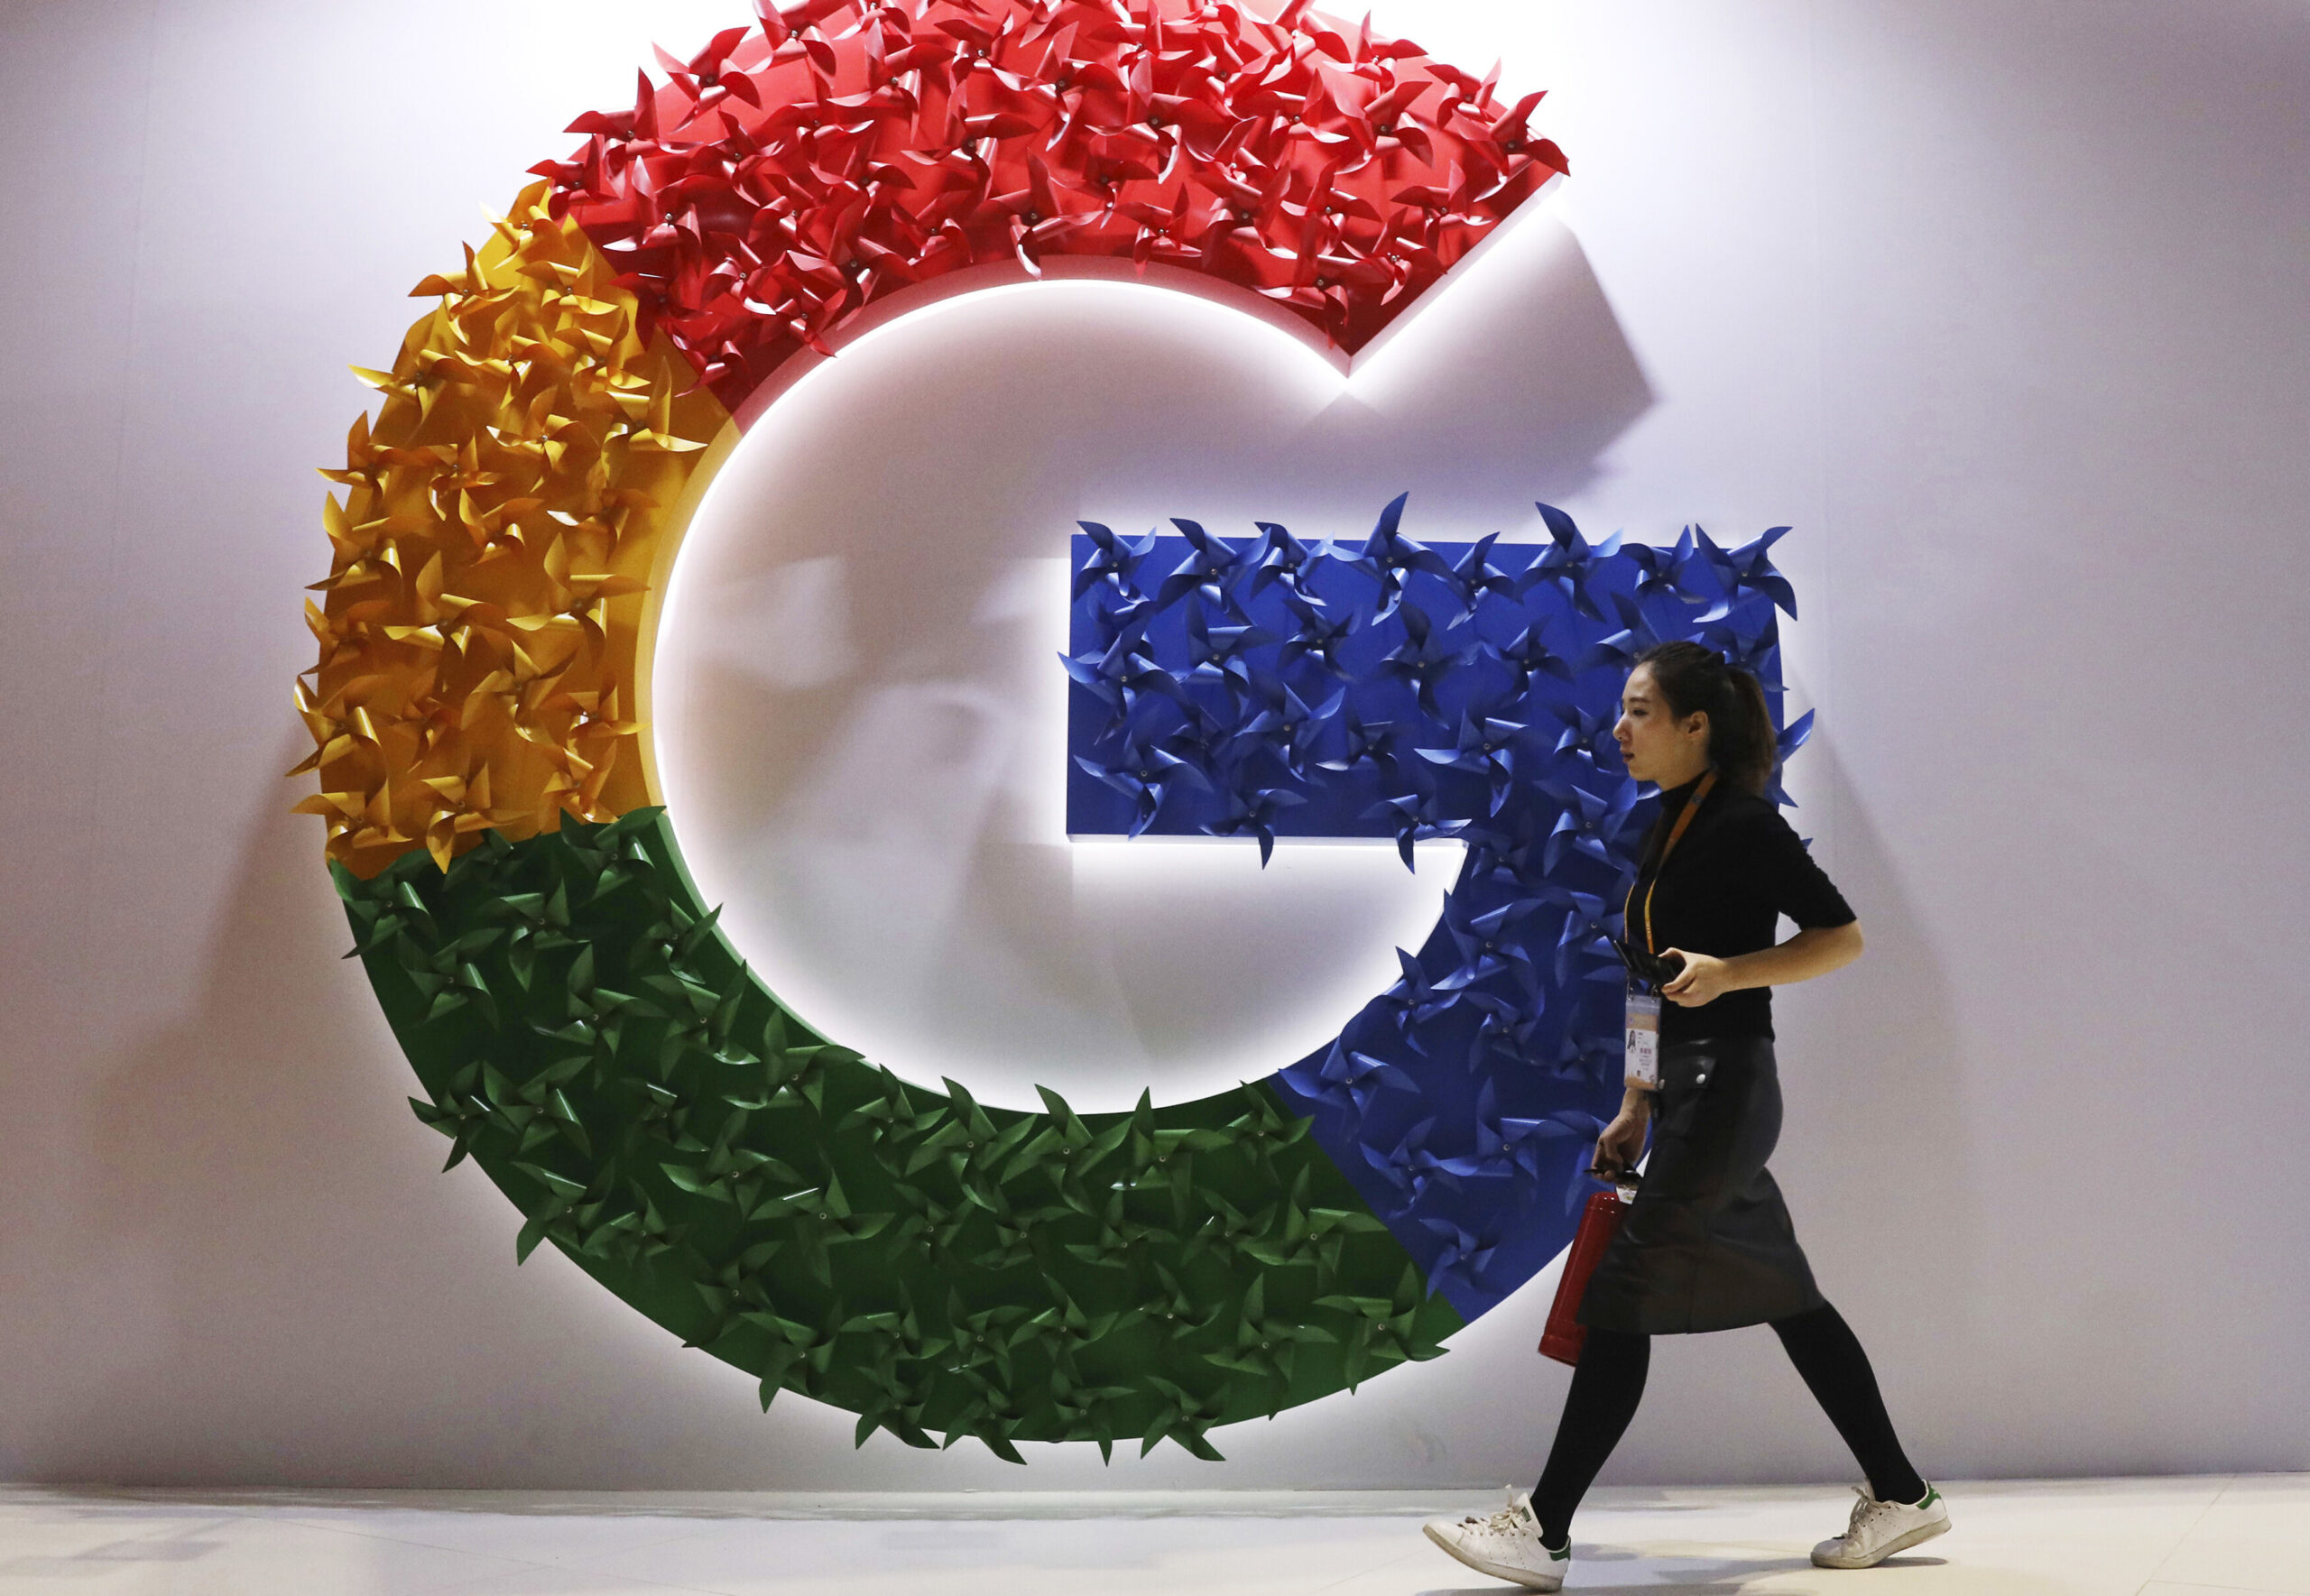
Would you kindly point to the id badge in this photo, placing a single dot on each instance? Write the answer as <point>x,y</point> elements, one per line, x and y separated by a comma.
<point>1642,1046</point>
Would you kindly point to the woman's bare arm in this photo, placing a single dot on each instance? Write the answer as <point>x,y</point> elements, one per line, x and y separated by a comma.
<point>1815,951</point>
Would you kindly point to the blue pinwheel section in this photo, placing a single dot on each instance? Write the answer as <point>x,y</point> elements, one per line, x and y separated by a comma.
<point>1265,686</point>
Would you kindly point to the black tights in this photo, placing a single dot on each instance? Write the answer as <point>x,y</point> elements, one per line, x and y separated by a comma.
<point>1609,1382</point>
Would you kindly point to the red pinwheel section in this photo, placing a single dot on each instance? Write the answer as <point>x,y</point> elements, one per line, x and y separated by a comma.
<point>789,176</point>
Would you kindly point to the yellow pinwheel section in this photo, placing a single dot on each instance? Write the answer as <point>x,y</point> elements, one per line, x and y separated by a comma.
<point>503,525</point>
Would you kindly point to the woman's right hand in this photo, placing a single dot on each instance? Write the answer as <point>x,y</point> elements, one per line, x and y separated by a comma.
<point>1622,1142</point>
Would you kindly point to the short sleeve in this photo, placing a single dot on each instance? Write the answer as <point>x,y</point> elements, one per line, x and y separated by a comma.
<point>1788,879</point>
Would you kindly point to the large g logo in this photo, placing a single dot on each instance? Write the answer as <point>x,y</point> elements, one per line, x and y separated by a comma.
<point>581,1026</point>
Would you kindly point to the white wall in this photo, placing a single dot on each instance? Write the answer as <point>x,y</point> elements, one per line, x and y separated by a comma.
<point>2007,306</point>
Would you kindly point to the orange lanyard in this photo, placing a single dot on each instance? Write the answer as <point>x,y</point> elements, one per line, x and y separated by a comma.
<point>1675,833</point>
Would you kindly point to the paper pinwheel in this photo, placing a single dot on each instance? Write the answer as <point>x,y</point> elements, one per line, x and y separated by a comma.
<point>580,1027</point>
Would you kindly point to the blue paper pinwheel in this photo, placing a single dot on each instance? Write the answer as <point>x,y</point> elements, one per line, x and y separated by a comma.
<point>1275,687</point>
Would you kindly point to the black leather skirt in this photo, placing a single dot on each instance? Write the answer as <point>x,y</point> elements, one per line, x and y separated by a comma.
<point>1707,1244</point>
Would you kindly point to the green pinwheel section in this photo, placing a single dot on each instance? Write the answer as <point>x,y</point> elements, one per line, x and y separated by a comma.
<point>939,1267</point>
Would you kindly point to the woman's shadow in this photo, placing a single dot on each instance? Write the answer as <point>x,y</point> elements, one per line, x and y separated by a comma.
<point>1683,1576</point>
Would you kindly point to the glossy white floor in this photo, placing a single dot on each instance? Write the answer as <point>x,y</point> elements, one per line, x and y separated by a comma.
<point>2128,1537</point>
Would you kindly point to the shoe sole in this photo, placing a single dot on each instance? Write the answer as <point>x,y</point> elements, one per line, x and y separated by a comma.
<point>1499,1570</point>
<point>1915,1537</point>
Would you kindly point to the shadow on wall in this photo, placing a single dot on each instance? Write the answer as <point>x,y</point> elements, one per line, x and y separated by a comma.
<point>281,1273</point>
<point>1507,388</point>
<point>244,1181</point>
<point>1874,1158</point>
<point>1886,1142</point>
<point>859,704</point>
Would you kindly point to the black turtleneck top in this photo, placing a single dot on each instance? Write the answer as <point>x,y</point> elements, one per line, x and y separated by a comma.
<point>1738,868</point>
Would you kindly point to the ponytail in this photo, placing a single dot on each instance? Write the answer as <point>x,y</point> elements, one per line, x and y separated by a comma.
<point>1694,679</point>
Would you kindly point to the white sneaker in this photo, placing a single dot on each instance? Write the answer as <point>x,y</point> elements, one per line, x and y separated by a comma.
<point>1505,1545</point>
<point>1879,1529</point>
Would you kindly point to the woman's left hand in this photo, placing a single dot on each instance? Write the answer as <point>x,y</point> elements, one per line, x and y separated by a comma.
<point>1703,979</point>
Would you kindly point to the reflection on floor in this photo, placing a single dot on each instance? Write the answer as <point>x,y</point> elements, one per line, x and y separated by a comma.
<point>2126,1537</point>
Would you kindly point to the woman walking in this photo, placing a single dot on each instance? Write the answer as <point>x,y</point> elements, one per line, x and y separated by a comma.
<point>1707,1243</point>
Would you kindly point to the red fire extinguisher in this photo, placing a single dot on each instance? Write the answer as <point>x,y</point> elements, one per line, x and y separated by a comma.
<point>1599,1221</point>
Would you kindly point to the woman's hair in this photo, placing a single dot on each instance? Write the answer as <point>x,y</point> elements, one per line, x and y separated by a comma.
<point>1695,678</point>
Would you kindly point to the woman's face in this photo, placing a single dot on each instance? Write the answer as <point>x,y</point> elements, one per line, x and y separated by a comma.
<point>1654,745</point>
